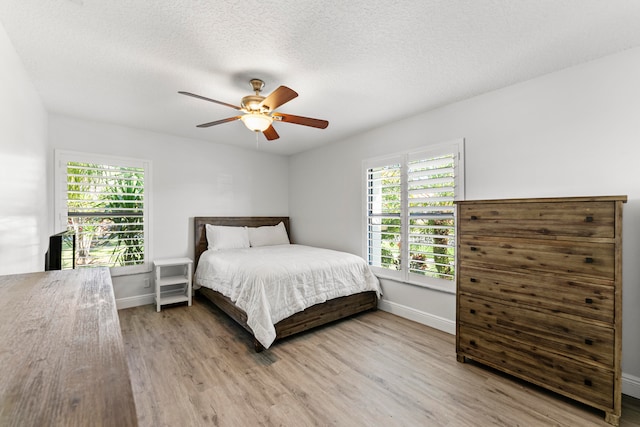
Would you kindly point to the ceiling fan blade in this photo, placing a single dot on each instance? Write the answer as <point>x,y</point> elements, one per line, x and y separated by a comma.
<point>218,122</point>
<point>299,120</point>
<point>210,100</point>
<point>278,97</point>
<point>270,133</point>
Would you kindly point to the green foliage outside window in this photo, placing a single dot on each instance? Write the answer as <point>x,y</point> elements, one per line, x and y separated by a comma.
<point>432,231</point>
<point>106,211</point>
<point>430,218</point>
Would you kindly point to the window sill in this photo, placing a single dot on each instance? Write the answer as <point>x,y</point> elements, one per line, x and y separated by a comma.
<point>449,288</point>
<point>130,270</point>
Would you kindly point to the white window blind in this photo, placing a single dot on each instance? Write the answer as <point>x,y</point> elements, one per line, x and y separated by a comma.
<point>410,214</point>
<point>104,201</point>
<point>431,222</point>
<point>384,225</point>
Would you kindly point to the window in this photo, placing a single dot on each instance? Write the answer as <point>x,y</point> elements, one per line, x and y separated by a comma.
<point>105,202</point>
<point>410,214</point>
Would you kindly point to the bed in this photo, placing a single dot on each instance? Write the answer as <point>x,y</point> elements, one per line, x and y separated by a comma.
<point>332,309</point>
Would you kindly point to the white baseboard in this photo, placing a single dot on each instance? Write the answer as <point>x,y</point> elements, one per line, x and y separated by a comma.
<point>631,385</point>
<point>430,320</point>
<point>134,301</point>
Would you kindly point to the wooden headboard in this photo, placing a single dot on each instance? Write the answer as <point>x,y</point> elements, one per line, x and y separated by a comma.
<point>199,222</point>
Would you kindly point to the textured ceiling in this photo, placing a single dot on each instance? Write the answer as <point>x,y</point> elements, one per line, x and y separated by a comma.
<point>358,63</point>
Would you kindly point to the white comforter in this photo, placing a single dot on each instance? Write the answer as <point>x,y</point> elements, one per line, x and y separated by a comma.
<point>271,283</point>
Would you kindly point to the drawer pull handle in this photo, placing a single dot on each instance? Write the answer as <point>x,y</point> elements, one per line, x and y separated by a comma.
<point>588,260</point>
<point>472,342</point>
<point>588,382</point>
<point>589,219</point>
<point>473,280</point>
<point>588,300</point>
<point>472,311</point>
<point>473,248</point>
<point>473,217</point>
<point>588,341</point>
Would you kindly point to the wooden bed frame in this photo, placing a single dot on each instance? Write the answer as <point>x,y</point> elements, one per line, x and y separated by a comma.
<point>312,317</point>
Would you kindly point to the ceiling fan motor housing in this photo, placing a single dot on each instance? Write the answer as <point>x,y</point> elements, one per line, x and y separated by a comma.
<point>251,103</point>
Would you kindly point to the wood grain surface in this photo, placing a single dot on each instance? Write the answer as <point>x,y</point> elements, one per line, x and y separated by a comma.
<point>62,359</point>
<point>539,293</point>
<point>191,366</point>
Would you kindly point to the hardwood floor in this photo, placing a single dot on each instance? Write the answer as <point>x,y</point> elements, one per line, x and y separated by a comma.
<point>193,366</point>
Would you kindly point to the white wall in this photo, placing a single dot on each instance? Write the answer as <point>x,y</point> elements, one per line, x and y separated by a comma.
<point>23,148</point>
<point>189,178</point>
<point>571,133</point>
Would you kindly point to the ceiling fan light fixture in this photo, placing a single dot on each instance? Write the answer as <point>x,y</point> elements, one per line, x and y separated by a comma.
<point>257,122</point>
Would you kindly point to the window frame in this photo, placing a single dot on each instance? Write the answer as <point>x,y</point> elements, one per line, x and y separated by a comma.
<point>61,159</point>
<point>455,147</point>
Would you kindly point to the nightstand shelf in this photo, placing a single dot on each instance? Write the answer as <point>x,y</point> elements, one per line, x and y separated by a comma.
<point>173,281</point>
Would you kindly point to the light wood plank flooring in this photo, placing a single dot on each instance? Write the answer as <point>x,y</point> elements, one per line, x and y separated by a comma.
<point>193,366</point>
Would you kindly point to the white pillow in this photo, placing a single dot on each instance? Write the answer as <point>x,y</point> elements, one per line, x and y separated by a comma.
<point>223,237</point>
<point>268,235</point>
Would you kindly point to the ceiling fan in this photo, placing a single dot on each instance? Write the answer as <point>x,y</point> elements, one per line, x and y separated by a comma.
<point>259,111</point>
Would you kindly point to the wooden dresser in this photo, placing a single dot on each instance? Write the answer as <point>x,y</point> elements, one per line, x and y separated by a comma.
<point>62,360</point>
<point>539,293</point>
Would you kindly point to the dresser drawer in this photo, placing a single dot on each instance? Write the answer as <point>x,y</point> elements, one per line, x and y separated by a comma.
<point>560,256</point>
<point>593,299</point>
<point>575,219</point>
<point>581,381</point>
<point>540,328</point>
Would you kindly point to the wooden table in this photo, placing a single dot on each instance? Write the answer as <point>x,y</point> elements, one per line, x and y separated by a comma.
<point>62,360</point>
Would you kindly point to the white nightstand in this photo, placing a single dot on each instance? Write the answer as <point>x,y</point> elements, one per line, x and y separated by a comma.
<point>173,281</point>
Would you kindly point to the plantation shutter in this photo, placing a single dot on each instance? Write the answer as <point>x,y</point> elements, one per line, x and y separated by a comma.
<point>410,214</point>
<point>105,208</point>
<point>384,214</point>
<point>431,187</point>
<point>104,201</point>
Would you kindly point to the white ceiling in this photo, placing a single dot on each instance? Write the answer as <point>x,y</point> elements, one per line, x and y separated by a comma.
<point>357,63</point>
